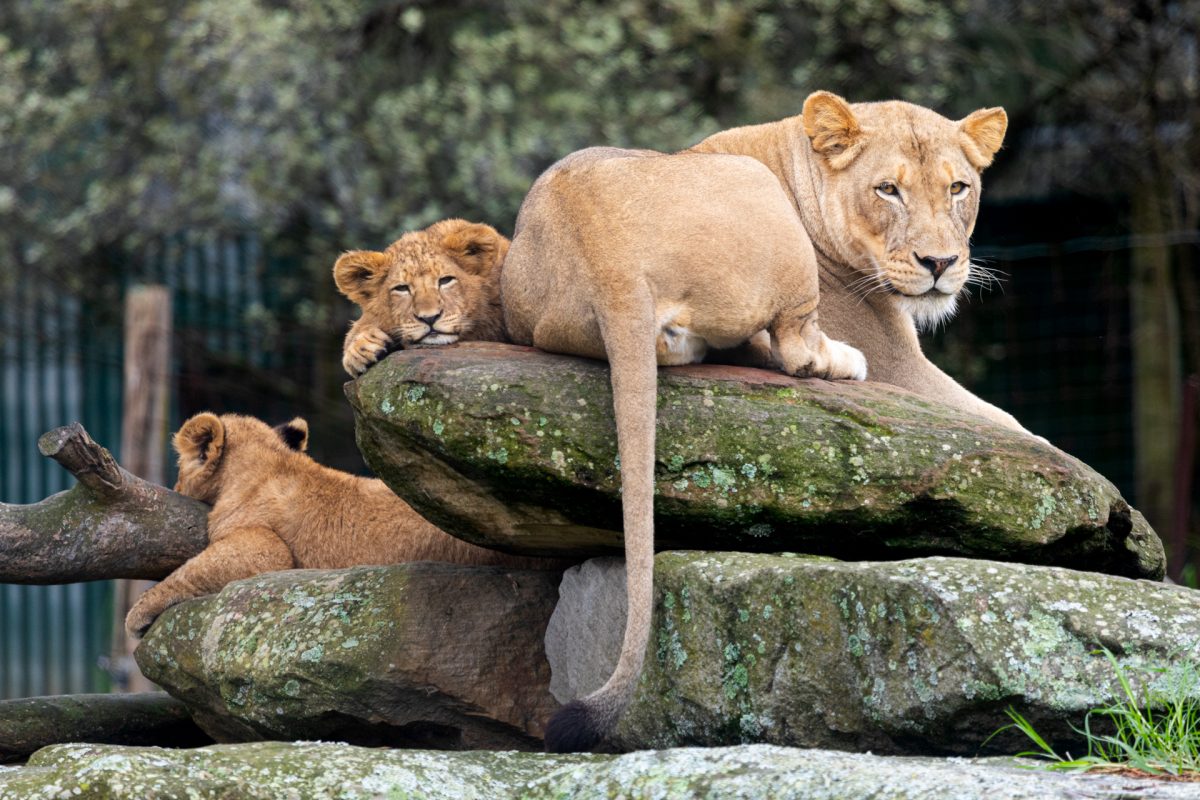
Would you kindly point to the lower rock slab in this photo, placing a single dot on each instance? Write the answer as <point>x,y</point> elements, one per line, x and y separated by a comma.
<point>320,771</point>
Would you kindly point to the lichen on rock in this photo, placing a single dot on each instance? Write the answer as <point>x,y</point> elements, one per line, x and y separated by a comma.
<point>916,656</point>
<point>509,447</point>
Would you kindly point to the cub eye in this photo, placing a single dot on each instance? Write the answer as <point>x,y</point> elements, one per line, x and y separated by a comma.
<point>888,189</point>
<point>958,187</point>
<point>402,288</point>
<point>446,280</point>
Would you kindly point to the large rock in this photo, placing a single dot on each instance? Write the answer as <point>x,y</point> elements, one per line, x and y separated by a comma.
<point>30,723</point>
<point>918,656</point>
<point>421,654</point>
<point>513,448</point>
<point>276,771</point>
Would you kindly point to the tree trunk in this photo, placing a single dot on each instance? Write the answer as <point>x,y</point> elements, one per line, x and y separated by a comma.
<point>1157,377</point>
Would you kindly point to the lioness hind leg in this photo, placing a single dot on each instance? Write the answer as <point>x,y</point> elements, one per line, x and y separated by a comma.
<point>801,348</point>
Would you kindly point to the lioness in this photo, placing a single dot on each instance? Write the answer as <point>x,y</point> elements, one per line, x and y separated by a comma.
<point>714,247</point>
<point>275,508</point>
<point>434,286</point>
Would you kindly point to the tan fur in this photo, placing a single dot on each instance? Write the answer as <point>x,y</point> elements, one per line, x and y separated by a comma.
<point>448,273</point>
<point>875,294</point>
<point>724,239</point>
<point>642,259</point>
<point>274,508</point>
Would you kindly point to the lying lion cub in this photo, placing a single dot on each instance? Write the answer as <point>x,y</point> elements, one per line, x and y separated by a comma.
<point>274,508</point>
<point>721,246</point>
<point>434,286</point>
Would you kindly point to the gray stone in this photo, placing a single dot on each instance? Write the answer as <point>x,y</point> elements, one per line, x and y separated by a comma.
<point>419,654</point>
<point>509,447</point>
<point>313,771</point>
<point>918,656</point>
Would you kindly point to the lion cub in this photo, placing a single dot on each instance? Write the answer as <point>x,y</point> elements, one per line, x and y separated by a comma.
<point>274,508</point>
<point>434,286</point>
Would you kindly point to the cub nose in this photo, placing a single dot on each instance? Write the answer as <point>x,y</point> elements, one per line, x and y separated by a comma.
<point>429,319</point>
<point>936,264</point>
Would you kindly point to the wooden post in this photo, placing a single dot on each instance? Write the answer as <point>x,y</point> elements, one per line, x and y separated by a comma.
<point>144,422</point>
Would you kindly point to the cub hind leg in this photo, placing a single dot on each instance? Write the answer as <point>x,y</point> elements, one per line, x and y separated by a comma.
<point>802,349</point>
<point>242,553</point>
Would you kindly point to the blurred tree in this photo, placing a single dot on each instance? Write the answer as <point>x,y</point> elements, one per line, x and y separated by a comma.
<point>1107,96</point>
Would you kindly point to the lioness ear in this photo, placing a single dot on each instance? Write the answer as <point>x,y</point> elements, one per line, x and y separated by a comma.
<point>478,248</point>
<point>832,128</point>
<point>982,133</point>
<point>294,434</point>
<point>201,439</point>
<point>356,271</point>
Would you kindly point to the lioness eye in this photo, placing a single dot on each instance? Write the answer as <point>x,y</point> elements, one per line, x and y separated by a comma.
<point>402,288</point>
<point>888,188</point>
<point>445,280</point>
<point>958,187</point>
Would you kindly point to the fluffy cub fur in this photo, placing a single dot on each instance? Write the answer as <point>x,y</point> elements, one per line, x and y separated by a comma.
<point>274,508</point>
<point>434,286</point>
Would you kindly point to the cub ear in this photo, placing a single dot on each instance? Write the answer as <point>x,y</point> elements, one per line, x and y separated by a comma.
<point>294,434</point>
<point>357,271</point>
<point>832,128</point>
<point>982,133</point>
<point>478,248</point>
<point>201,439</point>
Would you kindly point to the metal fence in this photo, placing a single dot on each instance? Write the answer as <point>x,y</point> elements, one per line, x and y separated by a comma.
<point>55,368</point>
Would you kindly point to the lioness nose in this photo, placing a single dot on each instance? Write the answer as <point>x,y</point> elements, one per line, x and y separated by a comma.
<point>936,264</point>
<point>429,319</point>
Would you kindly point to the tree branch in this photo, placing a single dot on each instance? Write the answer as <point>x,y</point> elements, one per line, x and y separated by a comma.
<point>110,525</point>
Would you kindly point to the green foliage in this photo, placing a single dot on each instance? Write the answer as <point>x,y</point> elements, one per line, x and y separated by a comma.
<point>1156,728</point>
<point>342,124</point>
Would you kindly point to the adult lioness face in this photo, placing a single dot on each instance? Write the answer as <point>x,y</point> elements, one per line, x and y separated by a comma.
<point>900,193</point>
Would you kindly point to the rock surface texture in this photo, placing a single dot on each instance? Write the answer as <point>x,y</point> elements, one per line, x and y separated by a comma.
<point>513,448</point>
<point>422,654</point>
<point>918,656</point>
<point>271,771</point>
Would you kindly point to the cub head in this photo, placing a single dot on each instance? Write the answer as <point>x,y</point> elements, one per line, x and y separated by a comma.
<point>434,286</point>
<point>207,444</point>
<point>899,195</point>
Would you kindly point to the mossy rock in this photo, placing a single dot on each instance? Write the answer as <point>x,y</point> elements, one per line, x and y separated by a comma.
<point>420,654</point>
<point>314,771</point>
<point>920,656</point>
<point>516,449</point>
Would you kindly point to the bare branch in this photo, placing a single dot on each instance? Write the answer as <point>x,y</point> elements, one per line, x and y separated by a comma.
<point>110,525</point>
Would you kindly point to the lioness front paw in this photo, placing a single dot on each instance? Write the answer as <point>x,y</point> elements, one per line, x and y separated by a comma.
<point>368,346</point>
<point>846,362</point>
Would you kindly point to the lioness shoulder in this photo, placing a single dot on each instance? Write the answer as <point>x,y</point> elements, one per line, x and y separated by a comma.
<point>275,508</point>
<point>429,287</point>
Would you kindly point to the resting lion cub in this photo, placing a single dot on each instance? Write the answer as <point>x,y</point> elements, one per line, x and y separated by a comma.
<point>434,286</point>
<point>274,508</point>
<point>711,248</point>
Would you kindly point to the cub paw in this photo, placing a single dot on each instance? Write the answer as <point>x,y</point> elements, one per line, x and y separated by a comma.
<point>846,362</point>
<point>140,618</point>
<point>367,347</point>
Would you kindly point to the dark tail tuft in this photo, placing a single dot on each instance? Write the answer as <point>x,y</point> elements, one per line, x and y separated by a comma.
<point>575,728</point>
